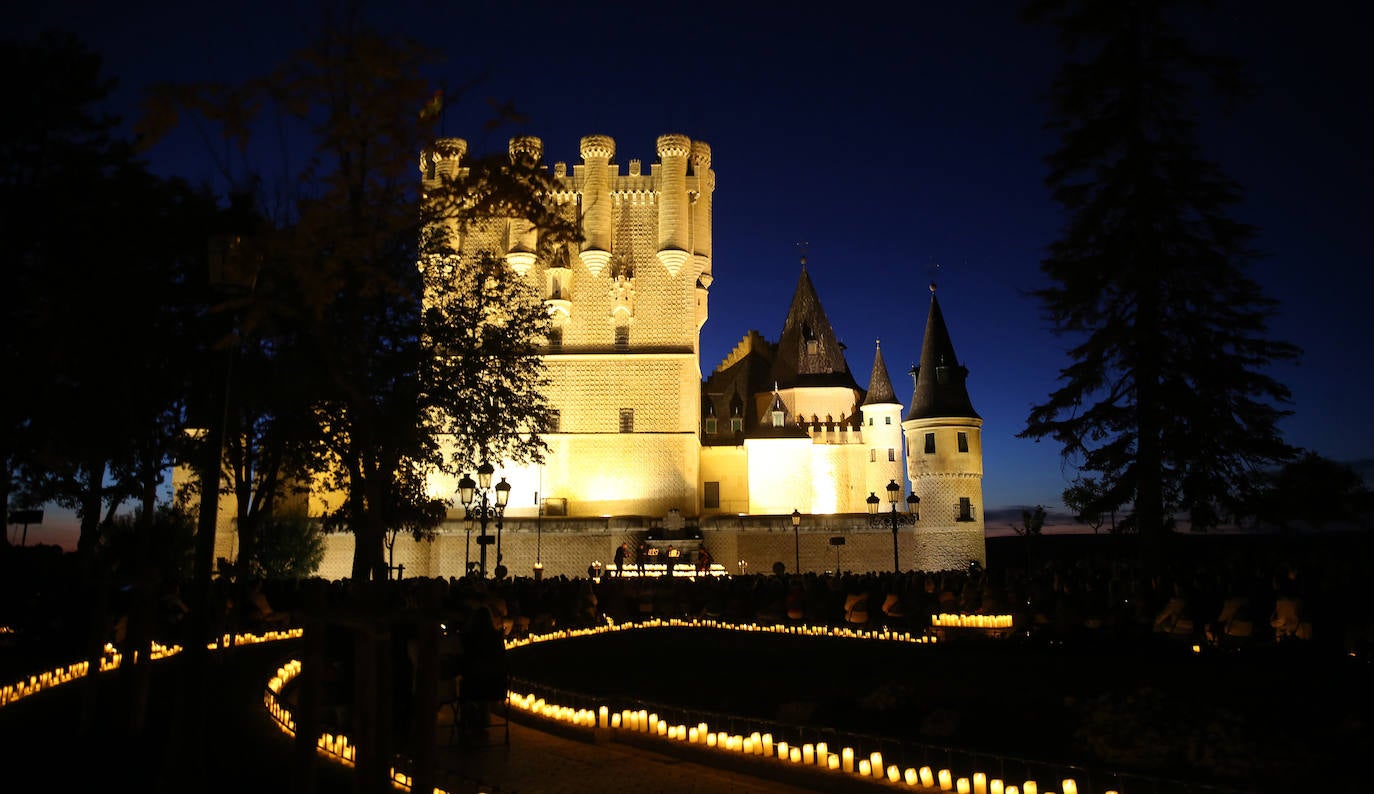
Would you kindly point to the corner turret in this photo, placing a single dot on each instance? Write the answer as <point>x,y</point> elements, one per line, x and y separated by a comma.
<point>944,445</point>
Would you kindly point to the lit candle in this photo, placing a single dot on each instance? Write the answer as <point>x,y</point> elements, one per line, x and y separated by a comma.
<point>795,755</point>
<point>692,735</point>
<point>847,759</point>
<point>962,786</point>
<point>927,777</point>
<point>865,768</point>
<point>946,780</point>
<point>768,744</point>
<point>782,751</point>
<point>822,750</point>
<point>875,759</point>
<point>1069,786</point>
<point>995,787</point>
<point>912,779</point>
<point>980,783</point>
<point>832,762</point>
<point>894,775</point>
<point>808,754</point>
<point>1029,787</point>
<point>603,716</point>
<point>1012,790</point>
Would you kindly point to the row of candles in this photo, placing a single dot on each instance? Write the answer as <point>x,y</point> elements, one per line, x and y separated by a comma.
<point>334,746</point>
<point>817,755</point>
<point>945,619</point>
<point>844,632</point>
<point>111,659</point>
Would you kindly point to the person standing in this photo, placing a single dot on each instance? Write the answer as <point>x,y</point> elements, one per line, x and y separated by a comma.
<point>620,553</point>
<point>641,557</point>
<point>703,560</point>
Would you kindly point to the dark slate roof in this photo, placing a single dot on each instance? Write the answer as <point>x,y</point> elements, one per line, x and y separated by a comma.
<point>808,352</point>
<point>940,389</point>
<point>729,391</point>
<point>879,384</point>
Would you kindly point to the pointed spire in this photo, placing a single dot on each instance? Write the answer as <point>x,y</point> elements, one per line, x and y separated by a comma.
<point>808,352</point>
<point>879,384</point>
<point>940,389</point>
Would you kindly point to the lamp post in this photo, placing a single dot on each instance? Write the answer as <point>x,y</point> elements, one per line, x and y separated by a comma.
<point>479,503</point>
<point>796,544</point>
<point>892,518</point>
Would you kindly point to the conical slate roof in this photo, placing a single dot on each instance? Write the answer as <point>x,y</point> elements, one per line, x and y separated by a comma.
<point>940,389</point>
<point>808,352</point>
<point>879,384</point>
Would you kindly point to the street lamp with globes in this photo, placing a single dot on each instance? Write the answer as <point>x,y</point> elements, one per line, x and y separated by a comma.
<point>479,503</point>
<point>796,544</point>
<point>892,518</point>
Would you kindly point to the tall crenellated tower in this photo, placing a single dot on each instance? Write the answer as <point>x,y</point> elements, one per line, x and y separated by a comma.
<point>944,445</point>
<point>627,306</point>
<point>882,430</point>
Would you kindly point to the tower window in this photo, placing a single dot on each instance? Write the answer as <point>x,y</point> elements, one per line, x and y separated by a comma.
<point>873,456</point>
<point>965,509</point>
<point>891,453</point>
<point>736,424</point>
<point>555,340</point>
<point>963,442</point>
<point>887,420</point>
<point>622,338</point>
<point>555,421</point>
<point>930,443</point>
<point>712,495</point>
<point>870,421</point>
<point>711,424</point>
<point>627,420</point>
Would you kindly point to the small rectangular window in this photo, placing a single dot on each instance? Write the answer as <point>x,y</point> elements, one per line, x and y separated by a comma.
<point>963,442</point>
<point>930,443</point>
<point>870,421</point>
<point>711,425</point>
<point>712,495</point>
<point>965,509</point>
<point>887,420</point>
<point>555,420</point>
<point>736,424</point>
<point>622,338</point>
<point>873,456</point>
<point>627,420</point>
<point>555,340</point>
<point>891,453</point>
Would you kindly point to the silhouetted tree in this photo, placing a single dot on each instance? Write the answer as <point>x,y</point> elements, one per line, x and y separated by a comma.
<point>1082,497</point>
<point>1165,398</point>
<point>401,348</point>
<point>1315,492</point>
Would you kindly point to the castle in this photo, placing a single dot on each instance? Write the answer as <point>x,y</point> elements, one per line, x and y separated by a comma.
<point>644,447</point>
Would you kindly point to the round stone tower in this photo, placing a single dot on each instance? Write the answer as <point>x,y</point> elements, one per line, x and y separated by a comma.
<point>944,443</point>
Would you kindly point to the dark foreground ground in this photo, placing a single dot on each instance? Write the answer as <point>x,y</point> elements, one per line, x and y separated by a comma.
<point>1272,720</point>
<point>1277,721</point>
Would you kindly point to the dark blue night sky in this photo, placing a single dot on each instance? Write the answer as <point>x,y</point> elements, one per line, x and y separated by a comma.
<point>899,141</point>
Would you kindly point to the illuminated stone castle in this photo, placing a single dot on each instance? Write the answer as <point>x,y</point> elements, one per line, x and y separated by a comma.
<point>647,451</point>
<point>777,426</point>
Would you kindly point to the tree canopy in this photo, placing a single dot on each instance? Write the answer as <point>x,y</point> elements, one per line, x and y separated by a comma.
<point>400,347</point>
